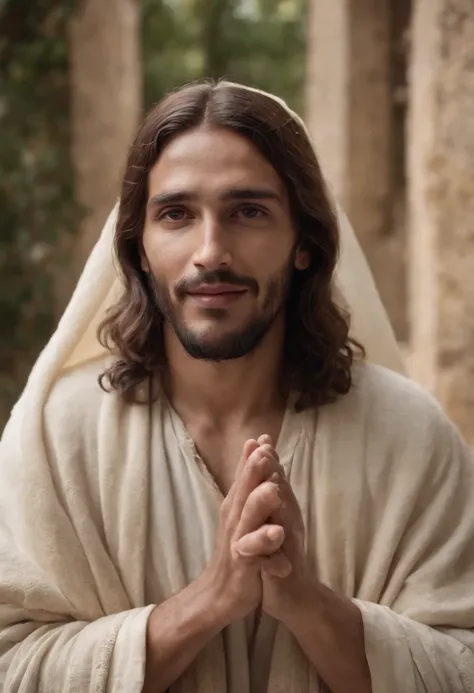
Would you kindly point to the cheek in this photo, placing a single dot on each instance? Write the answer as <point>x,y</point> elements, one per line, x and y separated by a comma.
<point>163,258</point>
<point>272,259</point>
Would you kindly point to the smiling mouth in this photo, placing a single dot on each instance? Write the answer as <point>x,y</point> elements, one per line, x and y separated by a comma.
<point>218,289</point>
<point>217,295</point>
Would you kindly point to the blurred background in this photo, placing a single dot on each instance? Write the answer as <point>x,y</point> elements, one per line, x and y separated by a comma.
<point>386,87</point>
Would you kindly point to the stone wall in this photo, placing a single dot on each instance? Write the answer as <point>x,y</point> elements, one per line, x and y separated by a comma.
<point>442,204</point>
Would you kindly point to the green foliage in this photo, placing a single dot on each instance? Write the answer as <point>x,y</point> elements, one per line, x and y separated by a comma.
<point>36,205</point>
<point>259,42</point>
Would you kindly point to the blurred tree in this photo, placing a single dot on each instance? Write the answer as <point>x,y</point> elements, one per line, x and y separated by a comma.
<point>36,201</point>
<point>259,42</point>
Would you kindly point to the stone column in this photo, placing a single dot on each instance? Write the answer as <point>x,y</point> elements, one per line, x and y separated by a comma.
<point>106,89</point>
<point>350,115</point>
<point>441,184</point>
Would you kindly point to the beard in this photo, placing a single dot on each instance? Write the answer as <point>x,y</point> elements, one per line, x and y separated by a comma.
<point>232,345</point>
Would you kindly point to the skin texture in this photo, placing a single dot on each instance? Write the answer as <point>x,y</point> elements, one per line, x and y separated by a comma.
<point>200,226</point>
<point>218,212</point>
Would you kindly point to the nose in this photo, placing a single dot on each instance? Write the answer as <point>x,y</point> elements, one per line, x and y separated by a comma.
<point>213,251</point>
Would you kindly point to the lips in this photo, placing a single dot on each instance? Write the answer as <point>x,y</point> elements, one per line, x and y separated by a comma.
<point>217,295</point>
<point>217,290</point>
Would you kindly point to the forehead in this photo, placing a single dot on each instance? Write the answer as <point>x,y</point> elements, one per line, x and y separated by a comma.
<point>212,159</point>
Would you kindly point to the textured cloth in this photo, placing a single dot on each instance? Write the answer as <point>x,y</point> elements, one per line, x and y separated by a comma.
<point>113,513</point>
<point>104,510</point>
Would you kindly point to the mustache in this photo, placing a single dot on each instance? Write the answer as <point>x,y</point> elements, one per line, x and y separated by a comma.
<point>190,284</point>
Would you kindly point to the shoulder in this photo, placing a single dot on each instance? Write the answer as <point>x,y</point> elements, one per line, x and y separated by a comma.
<point>75,406</point>
<point>76,393</point>
<point>392,440</point>
<point>394,412</point>
<point>378,389</point>
<point>78,410</point>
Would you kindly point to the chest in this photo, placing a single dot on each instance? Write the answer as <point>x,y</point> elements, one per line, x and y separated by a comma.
<point>220,450</point>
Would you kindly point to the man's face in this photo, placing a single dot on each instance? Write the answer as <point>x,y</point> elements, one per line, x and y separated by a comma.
<point>218,243</point>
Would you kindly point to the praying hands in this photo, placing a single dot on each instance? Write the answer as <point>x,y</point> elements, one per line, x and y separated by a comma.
<point>270,538</point>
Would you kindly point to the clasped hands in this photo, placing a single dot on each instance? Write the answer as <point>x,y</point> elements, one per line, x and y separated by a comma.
<point>259,557</point>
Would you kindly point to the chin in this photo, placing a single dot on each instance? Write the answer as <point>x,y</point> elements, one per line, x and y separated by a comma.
<point>210,328</point>
<point>219,345</point>
<point>211,341</point>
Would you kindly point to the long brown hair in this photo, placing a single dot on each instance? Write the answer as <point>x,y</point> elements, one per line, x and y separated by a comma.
<point>318,352</point>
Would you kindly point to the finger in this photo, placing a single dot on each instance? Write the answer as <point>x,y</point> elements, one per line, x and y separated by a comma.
<point>277,565</point>
<point>260,505</point>
<point>265,439</point>
<point>249,447</point>
<point>277,478</point>
<point>270,452</point>
<point>289,513</point>
<point>263,542</point>
<point>258,468</point>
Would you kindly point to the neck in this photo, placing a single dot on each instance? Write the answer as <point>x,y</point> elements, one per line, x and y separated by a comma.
<point>241,388</point>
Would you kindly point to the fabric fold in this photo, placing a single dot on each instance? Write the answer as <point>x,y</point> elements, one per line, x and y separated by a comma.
<point>74,501</point>
<point>410,657</point>
<point>105,656</point>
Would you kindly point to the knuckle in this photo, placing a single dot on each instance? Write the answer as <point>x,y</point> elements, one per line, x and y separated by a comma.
<point>271,452</point>
<point>234,550</point>
<point>266,447</point>
<point>270,491</point>
<point>259,463</point>
<point>260,495</point>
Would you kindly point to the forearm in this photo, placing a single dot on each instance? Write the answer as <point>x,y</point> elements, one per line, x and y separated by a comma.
<point>330,631</point>
<point>178,630</point>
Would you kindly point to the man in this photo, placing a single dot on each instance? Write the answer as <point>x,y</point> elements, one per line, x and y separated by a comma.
<point>243,504</point>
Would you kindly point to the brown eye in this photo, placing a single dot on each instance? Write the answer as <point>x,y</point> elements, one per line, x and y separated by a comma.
<point>175,214</point>
<point>251,212</point>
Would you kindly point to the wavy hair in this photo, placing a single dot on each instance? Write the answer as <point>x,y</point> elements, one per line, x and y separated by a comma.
<point>318,352</point>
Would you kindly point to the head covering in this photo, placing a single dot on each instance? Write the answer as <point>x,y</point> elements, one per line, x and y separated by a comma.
<point>75,340</point>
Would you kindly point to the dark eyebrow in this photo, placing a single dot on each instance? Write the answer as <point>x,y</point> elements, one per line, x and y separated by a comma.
<point>251,194</point>
<point>171,198</point>
<point>178,196</point>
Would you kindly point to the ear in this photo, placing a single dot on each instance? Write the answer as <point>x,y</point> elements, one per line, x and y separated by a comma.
<point>302,259</point>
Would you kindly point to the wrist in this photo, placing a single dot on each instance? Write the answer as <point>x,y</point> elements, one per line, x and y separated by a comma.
<point>177,631</point>
<point>301,601</point>
<point>321,611</point>
<point>214,599</point>
<point>330,631</point>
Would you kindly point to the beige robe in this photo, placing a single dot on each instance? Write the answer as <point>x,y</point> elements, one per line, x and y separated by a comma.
<point>117,514</point>
<point>88,538</point>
